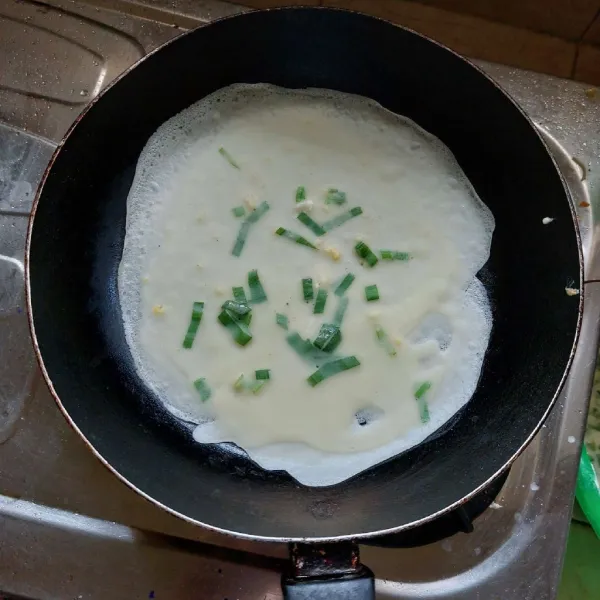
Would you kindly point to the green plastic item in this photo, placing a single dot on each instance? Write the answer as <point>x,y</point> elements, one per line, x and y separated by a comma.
<point>587,491</point>
<point>580,576</point>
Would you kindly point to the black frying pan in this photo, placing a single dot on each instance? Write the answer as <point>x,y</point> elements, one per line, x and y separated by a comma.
<point>75,243</point>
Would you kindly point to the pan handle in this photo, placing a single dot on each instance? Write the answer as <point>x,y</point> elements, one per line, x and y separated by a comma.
<point>327,572</point>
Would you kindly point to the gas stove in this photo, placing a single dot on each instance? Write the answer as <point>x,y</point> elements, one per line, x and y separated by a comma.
<point>70,530</point>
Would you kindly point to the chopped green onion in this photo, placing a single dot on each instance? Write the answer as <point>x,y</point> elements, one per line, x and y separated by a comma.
<point>299,344</point>
<point>311,224</point>
<point>423,411</point>
<point>423,408</point>
<point>282,320</point>
<point>340,311</point>
<point>306,350</point>
<point>422,390</point>
<point>257,292</point>
<point>239,295</point>
<point>393,255</point>
<point>329,338</point>
<point>238,311</point>
<point>341,219</point>
<point>344,284</point>
<point>320,301</point>
<point>240,240</point>
<point>307,289</point>
<point>241,334</point>
<point>239,329</point>
<point>242,235</point>
<point>226,318</point>
<point>238,211</point>
<point>197,312</point>
<point>334,196</point>
<point>239,383</point>
<point>385,341</point>
<point>290,235</point>
<point>333,368</point>
<point>262,374</point>
<point>257,386</point>
<point>371,293</point>
<point>228,157</point>
<point>300,193</point>
<point>258,212</point>
<point>365,253</point>
<point>203,389</point>
<point>246,319</point>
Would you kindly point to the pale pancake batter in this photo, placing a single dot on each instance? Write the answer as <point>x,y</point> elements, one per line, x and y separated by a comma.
<point>419,346</point>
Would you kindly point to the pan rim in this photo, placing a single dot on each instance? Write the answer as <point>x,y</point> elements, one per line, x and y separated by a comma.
<point>309,539</point>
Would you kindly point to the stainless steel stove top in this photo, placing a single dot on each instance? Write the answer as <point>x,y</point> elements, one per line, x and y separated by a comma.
<point>69,529</point>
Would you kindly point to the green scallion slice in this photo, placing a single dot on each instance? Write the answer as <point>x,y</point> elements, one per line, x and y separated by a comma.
<point>320,301</point>
<point>240,240</point>
<point>290,235</point>
<point>341,219</point>
<point>197,312</point>
<point>262,374</point>
<point>365,253</point>
<point>238,311</point>
<point>239,330</point>
<point>393,255</point>
<point>239,295</point>
<point>203,389</point>
<point>419,397</point>
<point>258,212</point>
<point>238,211</point>
<point>344,284</point>
<point>228,157</point>
<point>371,293</point>
<point>282,320</point>
<point>422,390</point>
<point>311,224</point>
<point>300,193</point>
<point>242,235</point>
<point>257,386</point>
<point>226,318</point>
<point>239,384</point>
<point>334,196</point>
<point>340,311</point>
<point>241,334</point>
<point>329,338</point>
<point>257,292</point>
<point>306,350</point>
<point>333,368</point>
<point>385,341</point>
<point>423,411</point>
<point>299,344</point>
<point>308,290</point>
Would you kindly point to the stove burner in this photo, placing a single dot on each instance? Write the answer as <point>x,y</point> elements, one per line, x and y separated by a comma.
<point>460,519</point>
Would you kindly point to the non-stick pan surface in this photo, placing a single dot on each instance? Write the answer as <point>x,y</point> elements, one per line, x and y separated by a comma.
<point>76,239</point>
